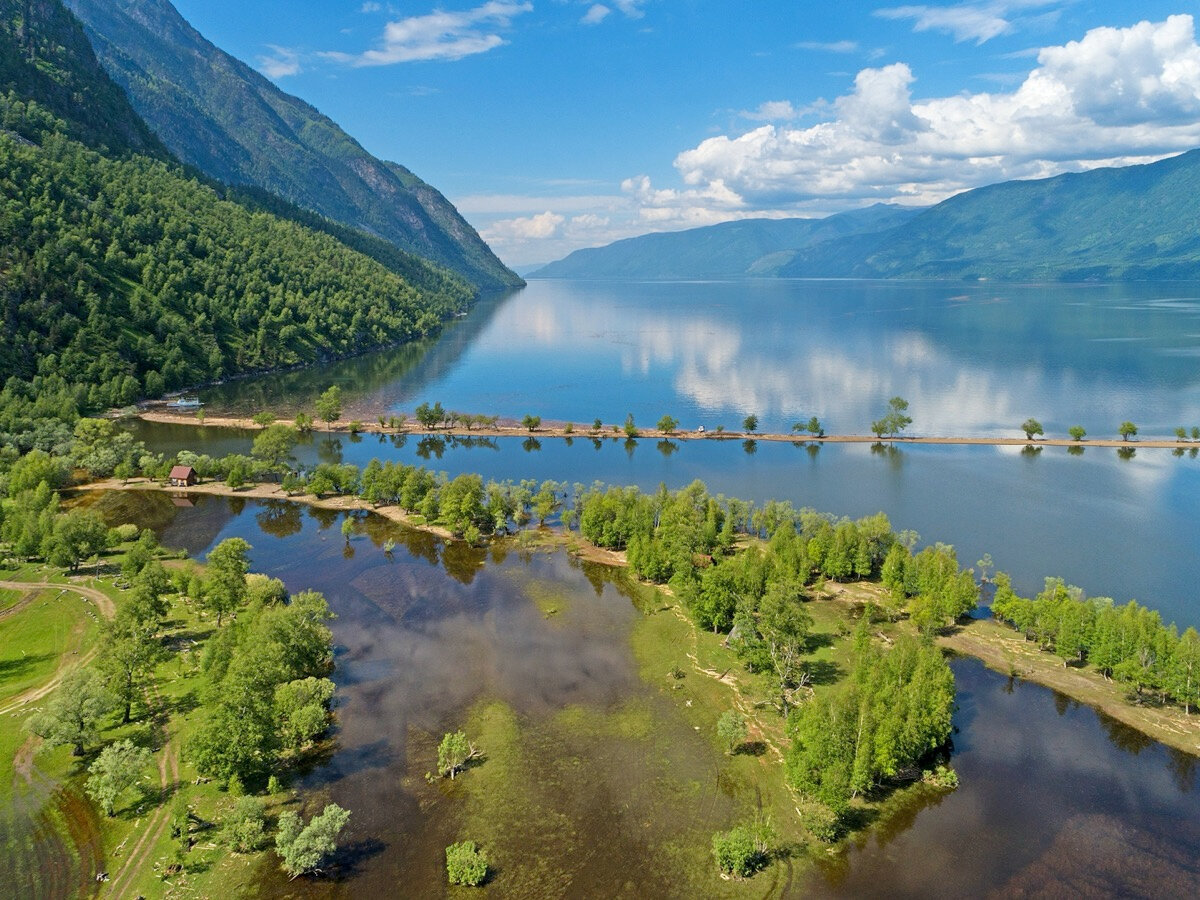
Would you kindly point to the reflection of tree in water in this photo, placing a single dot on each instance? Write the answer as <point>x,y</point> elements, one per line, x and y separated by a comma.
<point>1182,767</point>
<point>531,445</point>
<point>324,517</point>
<point>667,448</point>
<point>463,562</point>
<point>1031,451</point>
<point>329,450</point>
<point>813,450</point>
<point>1122,736</point>
<point>750,447</point>
<point>431,447</point>
<point>1063,704</point>
<point>890,452</point>
<point>630,446</point>
<point>1126,452</point>
<point>279,518</point>
<point>597,444</point>
<point>1075,450</point>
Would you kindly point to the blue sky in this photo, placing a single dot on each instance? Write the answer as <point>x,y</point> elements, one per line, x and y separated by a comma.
<point>558,124</point>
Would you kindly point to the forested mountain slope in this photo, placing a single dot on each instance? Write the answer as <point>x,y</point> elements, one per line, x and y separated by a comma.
<point>218,114</point>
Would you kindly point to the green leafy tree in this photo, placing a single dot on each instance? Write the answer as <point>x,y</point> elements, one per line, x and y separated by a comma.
<point>263,419</point>
<point>1077,433</point>
<point>115,771</point>
<point>329,405</point>
<point>466,864</point>
<point>225,586</point>
<point>430,416</point>
<point>668,424</point>
<point>732,730</point>
<point>530,422</point>
<point>895,421</point>
<point>302,710</point>
<point>1127,430</point>
<point>1032,427</point>
<point>815,428</point>
<point>245,828</point>
<point>629,428</point>
<point>750,423</point>
<point>131,651</point>
<point>73,716</point>
<point>454,752</point>
<point>78,534</point>
<point>274,445</point>
<point>744,849</point>
<point>303,848</point>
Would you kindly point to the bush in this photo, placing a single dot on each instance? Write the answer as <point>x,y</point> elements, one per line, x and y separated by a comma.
<point>466,864</point>
<point>745,849</point>
<point>245,827</point>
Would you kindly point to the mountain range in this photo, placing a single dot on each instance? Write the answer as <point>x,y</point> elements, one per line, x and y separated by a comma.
<point>224,118</point>
<point>1126,223</point>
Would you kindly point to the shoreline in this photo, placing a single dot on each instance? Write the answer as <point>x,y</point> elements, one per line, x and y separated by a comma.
<point>615,431</point>
<point>996,646</point>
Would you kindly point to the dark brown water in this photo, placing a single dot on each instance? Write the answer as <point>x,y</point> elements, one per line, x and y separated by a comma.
<point>597,785</point>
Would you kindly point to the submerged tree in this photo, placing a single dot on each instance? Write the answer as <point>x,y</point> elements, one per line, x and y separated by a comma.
<point>454,752</point>
<point>303,848</point>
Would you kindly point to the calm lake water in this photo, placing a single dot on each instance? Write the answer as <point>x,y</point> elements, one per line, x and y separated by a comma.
<point>1053,800</point>
<point>622,795</point>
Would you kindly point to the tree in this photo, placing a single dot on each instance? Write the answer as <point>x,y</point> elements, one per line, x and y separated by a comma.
<point>77,535</point>
<point>1127,430</point>
<point>894,421</point>
<point>1031,427</point>
<point>263,419</point>
<point>329,405</point>
<point>466,864</point>
<point>744,849</point>
<point>302,848</point>
<point>629,428</point>
<point>732,730</point>
<point>430,416</point>
<point>115,770</point>
<point>244,828</point>
<point>274,445</point>
<point>1196,432</point>
<point>750,423</point>
<point>225,587</point>
<point>302,710</point>
<point>1181,433</point>
<point>1077,433</point>
<point>668,424</point>
<point>73,716</point>
<point>454,752</point>
<point>531,422</point>
<point>131,651</point>
<point>815,428</point>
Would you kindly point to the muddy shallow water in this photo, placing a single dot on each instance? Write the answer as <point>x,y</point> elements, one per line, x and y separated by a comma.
<point>595,781</point>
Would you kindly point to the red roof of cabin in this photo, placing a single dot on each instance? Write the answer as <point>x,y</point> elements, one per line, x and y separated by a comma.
<point>182,471</point>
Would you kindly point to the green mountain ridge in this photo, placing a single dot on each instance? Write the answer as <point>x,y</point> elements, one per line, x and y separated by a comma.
<point>1125,223</point>
<point>221,116</point>
<point>124,273</point>
<point>749,247</point>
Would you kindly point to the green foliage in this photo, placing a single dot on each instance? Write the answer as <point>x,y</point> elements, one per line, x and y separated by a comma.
<point>530,422</point>
<point>225,586</point>
<point>329,404</point>
<point>76,535</point>
<point>732,730</point>
<point>1032,427</point>
<point>128,275</point>
<point>629,428</point>
<point>667,424</point>
<point>454,752</point>
<point>1127,430</point>
<point>274,445</point>
<point>895,421</point>
<point>1077,432</point>
<point>115,770</point>
<point>244,828</point>
<point>894,709</point>
<point>744,849</point>
<point>750,423</point>
<point>302,710</point>
<point>303,848</point>
<point>466,864</point>
<point>73,716</point>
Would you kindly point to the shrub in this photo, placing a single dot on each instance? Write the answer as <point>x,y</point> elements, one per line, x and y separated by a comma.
<point>466,864</point>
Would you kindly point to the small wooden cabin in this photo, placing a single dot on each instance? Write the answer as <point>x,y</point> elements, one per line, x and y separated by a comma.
<point>183,476</point>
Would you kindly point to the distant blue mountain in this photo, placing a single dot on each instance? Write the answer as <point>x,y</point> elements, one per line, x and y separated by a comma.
<point>1127,223</point>
<point>751,247</point>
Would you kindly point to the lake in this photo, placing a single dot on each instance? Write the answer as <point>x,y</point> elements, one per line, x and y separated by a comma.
<point>972,359</point>
<point>596,780</point>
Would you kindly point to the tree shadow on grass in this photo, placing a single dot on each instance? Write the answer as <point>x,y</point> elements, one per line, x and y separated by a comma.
<point>19,665</point>
<point>823,671</point>
<point>751,748</point>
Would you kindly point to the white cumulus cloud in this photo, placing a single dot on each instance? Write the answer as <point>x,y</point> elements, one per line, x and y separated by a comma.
<point>440,35</point>
<point>1115,97</point>
<point>281,63</point>
<point>596,14</point>
<point>523,228</point>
